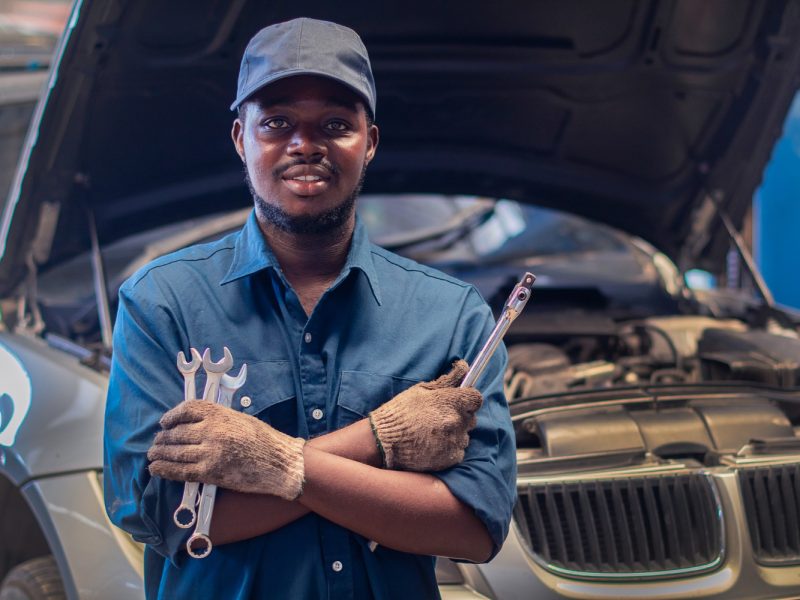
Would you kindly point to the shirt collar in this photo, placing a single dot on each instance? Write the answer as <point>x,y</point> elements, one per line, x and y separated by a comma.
<point>252,254</point>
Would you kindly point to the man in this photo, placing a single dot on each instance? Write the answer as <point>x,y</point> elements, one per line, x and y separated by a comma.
<point>347,345</point>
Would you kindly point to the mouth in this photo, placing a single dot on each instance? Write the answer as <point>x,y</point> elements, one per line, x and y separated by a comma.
<point>307,180</point>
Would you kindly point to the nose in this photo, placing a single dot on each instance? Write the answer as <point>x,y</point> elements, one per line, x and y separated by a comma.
<point>306,142</point>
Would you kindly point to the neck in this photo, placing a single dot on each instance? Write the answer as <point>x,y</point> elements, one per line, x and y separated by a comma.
<point>310,258</point>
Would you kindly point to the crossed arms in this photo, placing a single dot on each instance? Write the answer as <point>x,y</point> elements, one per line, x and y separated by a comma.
<point>273,479</point>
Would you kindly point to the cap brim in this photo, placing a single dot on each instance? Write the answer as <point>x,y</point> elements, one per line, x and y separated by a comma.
<point>295,73</point>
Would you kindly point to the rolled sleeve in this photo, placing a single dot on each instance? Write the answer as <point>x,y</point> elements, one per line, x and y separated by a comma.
<point>486,479</point>
<point>142,387</point>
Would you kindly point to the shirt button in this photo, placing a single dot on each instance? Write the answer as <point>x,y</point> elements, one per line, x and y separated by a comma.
<point>317,413</point>
<point>337,566</point>
<point>307,338</point>
<point>245,401</point>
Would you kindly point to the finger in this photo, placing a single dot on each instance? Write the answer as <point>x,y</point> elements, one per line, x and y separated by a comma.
<point>462,400</point>
<point>186,412</point>
<point>451,379</point>
<point>472,399</point>
<point>455,456</point>
<point>174,471</point>
<point>187,454</point>
<point>183,433</point>
<point>471,425</point>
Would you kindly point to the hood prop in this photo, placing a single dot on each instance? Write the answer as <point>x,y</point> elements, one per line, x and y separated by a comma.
<point>741,247</point>
<point>29,317</point>
<point>702,217</point>
<point>100,281</point>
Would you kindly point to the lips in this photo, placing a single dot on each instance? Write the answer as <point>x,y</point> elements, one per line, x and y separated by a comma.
<point>307,180</point>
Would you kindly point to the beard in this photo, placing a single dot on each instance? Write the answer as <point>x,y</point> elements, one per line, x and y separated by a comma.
<point>329,221</point>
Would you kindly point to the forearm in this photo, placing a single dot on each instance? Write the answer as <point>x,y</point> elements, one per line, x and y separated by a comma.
<point>410,512</point>
<point>239,516</point>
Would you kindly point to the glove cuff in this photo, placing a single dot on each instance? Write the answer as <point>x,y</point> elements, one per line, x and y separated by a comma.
<point>294,464</point>
<point>378,443</point>
<point>389,428</point>
<point>282,465</point>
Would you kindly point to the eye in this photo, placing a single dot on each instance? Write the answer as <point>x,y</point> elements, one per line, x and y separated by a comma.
<point>276,123</point>
<point>338,126</point>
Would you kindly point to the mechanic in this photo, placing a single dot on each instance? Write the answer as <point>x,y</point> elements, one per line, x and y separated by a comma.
<point>351,427</point>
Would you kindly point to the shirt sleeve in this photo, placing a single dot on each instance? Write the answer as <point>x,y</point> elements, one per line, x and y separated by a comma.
<point>486,479</point>
<point>143,385</point>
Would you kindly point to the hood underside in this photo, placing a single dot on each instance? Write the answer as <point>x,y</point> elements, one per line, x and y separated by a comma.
<point>630,112</point>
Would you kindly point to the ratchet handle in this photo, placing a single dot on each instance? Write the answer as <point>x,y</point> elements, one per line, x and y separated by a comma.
<point>513,307</point>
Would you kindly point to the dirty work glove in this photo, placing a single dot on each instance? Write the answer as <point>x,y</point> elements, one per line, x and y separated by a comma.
<point>207,442</point>
<point>426,427</point>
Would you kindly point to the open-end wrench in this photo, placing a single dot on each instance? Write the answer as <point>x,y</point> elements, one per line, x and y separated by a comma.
<point>185,515</point>
<point>199,544</point>
<point>214,372</point>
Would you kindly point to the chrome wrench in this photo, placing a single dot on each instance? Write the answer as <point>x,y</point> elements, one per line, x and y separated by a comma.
<point>214,371</point>
<point>228,386</point>
<point>513,307</point>
<point>190,489</point>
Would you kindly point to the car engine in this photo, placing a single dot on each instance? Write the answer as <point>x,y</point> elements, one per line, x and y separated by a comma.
<point>643,442</point>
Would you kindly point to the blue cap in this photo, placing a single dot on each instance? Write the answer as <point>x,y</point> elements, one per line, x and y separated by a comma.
<point>306,47</point>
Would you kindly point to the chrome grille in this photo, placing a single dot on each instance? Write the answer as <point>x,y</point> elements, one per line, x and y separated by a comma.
<point>771,497</point>
<point>635,527</point>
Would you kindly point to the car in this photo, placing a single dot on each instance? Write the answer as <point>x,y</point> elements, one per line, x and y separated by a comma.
<point>611,148</point>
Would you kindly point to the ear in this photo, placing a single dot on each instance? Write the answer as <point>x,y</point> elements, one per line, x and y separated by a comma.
<point>373,136</point>
<point>237,135</point>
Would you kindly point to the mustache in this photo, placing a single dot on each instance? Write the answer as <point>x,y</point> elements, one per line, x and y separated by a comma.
<point>278,171</point>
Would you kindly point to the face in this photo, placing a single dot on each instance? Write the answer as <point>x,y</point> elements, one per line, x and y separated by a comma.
<point>305,143</point>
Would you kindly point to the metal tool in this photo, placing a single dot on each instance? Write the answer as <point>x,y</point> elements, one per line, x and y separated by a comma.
<point>513,307</point>
<point>214,372</point>
<point>199,544</point>
<point>185,515</point>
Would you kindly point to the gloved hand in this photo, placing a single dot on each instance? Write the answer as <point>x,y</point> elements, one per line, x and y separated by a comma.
<point>207,442</point>
<point>426,427</point>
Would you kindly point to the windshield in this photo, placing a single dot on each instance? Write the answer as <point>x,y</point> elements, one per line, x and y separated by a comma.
<point>479,230</point>
<point>434,229</point>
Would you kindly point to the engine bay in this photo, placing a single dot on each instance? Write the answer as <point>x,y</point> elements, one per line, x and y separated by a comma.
<point>685,387</point>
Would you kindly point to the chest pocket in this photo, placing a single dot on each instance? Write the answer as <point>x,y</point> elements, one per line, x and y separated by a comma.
<point>362,391</point>
<point>269,394</point>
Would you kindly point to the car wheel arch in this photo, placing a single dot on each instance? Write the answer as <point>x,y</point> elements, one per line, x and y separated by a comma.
<point>20,531</point>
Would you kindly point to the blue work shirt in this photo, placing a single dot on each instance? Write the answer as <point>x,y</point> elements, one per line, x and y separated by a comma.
<point>385,324</point>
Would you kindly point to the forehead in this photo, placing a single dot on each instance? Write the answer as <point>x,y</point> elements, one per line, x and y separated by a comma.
<point>307,90</point>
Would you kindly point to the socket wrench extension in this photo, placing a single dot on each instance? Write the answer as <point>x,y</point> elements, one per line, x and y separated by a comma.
<point>513,307</point>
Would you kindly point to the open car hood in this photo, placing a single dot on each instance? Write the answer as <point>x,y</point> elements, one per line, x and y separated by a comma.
<point>632,112</point>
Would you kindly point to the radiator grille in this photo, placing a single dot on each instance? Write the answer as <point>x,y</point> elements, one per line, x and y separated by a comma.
<point>634,527</point>
<point>771,498</point>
